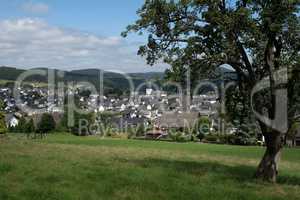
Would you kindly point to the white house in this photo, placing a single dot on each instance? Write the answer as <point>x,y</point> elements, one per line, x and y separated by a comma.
<point>11,120</point>
<point>101,108</point>
<point>149,91</point>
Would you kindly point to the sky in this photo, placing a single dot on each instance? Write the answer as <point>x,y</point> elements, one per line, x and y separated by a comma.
<point>71,34</point>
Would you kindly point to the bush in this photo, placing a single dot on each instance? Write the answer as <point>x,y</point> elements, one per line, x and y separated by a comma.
<point>231,139</point>
<point>291,134</point>
<point>47,124</point>
<point>3,128</point>
<point>120,135</point>
<point>201,136</point>
<point>29,127</point>
<point>75,128</point>
<point>240,140</point>
<point>226,139</point>
<point>80,118</point>
<point>202,128</point>
<point>136,131</point>
<point>203,125</point>
<point>211,138</point>
<point>178,137</point>
<point>20,128</point>
<point>223,139</point>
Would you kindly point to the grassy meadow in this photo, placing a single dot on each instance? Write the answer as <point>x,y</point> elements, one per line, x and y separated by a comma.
<point>66,167</point>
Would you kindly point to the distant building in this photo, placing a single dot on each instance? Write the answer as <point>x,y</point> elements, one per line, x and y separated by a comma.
<point>149,91</point>
<point>177,120</point>
<point>127,122</point>
<point>155,134</point>
<point>11,120</point>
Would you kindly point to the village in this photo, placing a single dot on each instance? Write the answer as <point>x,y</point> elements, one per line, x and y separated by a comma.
<point>156,110</point>
<point>140,108</point>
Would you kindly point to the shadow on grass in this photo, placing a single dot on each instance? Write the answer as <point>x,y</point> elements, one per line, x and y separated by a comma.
<point>218,171</point>
<point>289,180</point>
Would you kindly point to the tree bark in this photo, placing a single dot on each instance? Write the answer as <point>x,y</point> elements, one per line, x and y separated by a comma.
<point>269,165</point>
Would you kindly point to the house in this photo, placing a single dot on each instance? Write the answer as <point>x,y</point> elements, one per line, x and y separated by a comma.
<point>11,120</point>
<point>177,120</point>
<point>125,122</point>
<point>156,134</point>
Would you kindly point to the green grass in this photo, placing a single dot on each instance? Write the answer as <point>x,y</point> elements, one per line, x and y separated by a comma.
<point>69,167</point>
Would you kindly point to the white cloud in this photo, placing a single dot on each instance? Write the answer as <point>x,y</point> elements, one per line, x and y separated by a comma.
<point>35,8</point>
<point>34,43</point>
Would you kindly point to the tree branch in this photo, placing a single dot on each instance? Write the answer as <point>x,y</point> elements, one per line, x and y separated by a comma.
<point>246,59</point>
<point>237,67</point>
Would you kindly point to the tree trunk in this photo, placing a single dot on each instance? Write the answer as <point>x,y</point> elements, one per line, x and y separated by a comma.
<point>268,167</point>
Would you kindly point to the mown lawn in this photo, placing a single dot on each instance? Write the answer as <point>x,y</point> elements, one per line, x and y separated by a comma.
<point>68,167</point>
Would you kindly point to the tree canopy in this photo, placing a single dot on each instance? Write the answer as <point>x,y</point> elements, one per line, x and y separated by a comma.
<point>29,127</point>
<point>206,34</point>
<point>3,128</point>
<point>46,124</point>
<point>255,37</point>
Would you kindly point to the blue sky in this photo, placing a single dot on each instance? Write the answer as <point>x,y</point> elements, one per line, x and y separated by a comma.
<point>70,34</point>
<point>98,16</point>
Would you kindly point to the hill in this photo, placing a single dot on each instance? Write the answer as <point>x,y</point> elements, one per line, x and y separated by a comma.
<point>10,73</point>
<point>112,81</point>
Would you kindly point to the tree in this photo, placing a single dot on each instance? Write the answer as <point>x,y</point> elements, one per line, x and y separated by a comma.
<point>294,96</point>
<point>1,105</point>
<point>203,127</point>
<point>3,128</point>
<point>63,125</point>
<point>20,128</point>
<point>79,120</point>
<point>29,127</point>
<point>255,37</point>
<point>82,124</point>
<point>46,124</point>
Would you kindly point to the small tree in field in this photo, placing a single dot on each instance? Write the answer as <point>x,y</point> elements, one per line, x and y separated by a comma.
<point>203,127</point>
<point>29,127</point>
<point>47,124</point>
<point>3,128</point>
<point>20,128</point>
<point>80,120</point>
